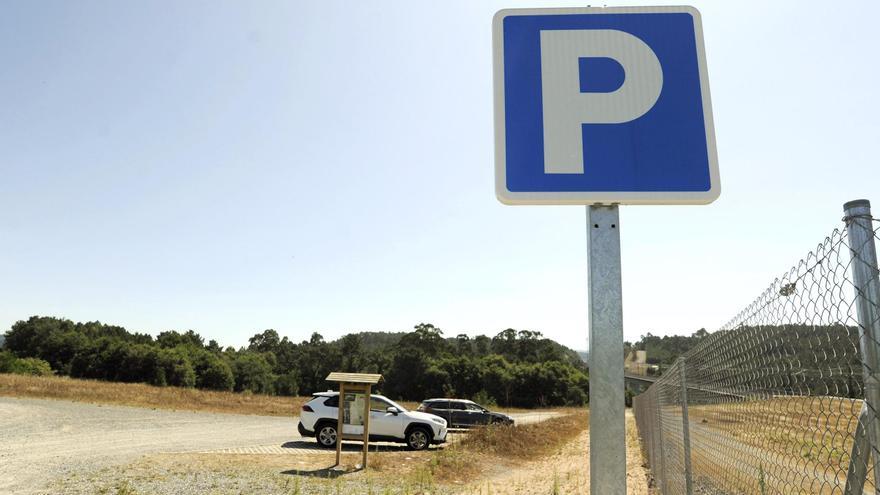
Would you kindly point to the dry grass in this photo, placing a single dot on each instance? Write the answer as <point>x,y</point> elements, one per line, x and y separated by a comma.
<point>802,442</point>
<point>529,441</point>
<point>140,395</point>
<point>494,446</point>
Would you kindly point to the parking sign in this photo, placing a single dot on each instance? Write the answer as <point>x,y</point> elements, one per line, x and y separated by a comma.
<point>602,106</point>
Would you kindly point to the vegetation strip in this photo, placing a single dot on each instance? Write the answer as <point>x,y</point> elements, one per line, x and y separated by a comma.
<point>512,369</point>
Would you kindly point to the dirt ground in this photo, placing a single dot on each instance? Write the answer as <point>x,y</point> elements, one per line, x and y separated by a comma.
<point>393,471</point>
<point>567,472</point>
<point>41,440</point>
<point>58,446</point>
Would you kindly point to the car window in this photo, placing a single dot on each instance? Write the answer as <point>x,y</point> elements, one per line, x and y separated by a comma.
<point>332,401</point>
<point>378,405</point>
<point>474,407</point>
<point>458,406</point>
<point>437,404</point>
<point>395,404</point>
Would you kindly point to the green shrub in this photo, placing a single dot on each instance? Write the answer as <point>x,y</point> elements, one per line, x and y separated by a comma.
<point>178,370</point>
<point>287,384</point>
<point>484,399</point>
<point>577,397</point>
<point>7,360</point>
<point>253,373</point>
<point>31,366</point>
<point>214,373</point>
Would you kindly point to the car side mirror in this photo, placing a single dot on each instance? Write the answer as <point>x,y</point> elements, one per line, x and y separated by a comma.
<point>393,410</point>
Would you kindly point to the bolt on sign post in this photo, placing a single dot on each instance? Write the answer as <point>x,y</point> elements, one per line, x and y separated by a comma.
<point>603,107</point>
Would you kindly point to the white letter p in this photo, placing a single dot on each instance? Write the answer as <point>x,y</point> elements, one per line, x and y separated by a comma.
<point>566,107</point>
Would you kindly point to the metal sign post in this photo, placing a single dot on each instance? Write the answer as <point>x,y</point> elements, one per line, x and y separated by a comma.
<point>603,107</point>
<point>608,447</point>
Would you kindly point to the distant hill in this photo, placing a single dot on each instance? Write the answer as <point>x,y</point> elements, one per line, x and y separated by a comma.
<point>2,340</point>
<point>584,355</point>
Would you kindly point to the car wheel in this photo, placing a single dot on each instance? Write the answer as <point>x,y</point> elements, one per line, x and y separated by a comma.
<point>418,438</point>
<point>326,435</point>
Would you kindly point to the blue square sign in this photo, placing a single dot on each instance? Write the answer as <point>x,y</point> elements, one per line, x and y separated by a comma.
<point>602,106</point>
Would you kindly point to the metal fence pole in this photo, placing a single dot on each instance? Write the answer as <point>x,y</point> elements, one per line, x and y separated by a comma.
<point>685,428</point>
<point>865,278</point>
<point>607,423</point>
<point>661,468</point>
<point>858,459</point>
<point>658,439</point>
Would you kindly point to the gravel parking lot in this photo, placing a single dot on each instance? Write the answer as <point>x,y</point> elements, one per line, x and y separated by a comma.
<point>46,440</point>
<point>43,440</point>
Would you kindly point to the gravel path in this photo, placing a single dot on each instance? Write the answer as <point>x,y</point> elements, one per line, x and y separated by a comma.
<point>42,440</point>
<point>45,440</point>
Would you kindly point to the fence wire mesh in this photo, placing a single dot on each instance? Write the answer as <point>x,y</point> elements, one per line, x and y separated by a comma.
<point>773,400</point>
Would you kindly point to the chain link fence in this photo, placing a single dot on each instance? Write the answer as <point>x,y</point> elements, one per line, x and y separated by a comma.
<point>780,400</point>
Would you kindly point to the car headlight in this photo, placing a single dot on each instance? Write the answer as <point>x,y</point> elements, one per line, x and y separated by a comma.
<point>439,421</point>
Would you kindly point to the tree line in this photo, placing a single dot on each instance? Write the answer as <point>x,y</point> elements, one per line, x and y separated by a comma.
<point>790,359</point>
<point>663,351</point>
<point>513,368</point>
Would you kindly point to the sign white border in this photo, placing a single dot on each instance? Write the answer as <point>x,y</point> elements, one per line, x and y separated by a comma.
<point>599,197</point>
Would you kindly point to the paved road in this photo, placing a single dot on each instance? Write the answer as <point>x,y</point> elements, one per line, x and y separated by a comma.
<point>42,440</point>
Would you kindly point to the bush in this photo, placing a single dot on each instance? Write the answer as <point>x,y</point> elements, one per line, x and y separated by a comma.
<point>177,368</point>
<point>7,360</point>
<point>31,366</point>
<point>253,373</point>
<point>213,373</point>
<point>577,397</point>
<point>484,399</point>
<point>287,384</point>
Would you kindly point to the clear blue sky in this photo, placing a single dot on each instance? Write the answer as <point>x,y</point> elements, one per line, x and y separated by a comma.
<point>327,166</point>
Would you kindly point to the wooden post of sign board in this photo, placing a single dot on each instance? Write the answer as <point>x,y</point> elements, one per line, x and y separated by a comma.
<point>354,383</point>
<point>340,422</point>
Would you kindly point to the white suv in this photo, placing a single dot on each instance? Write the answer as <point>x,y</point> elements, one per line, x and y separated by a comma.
<point>389,422</point>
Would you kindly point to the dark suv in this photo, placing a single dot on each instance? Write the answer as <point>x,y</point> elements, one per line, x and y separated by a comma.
<point>460,413</point>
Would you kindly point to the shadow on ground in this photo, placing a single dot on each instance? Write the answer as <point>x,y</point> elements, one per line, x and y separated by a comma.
<point>346,447</point>
<point>325,473</point>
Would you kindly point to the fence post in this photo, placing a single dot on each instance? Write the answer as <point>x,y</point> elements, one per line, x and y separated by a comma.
<point>858,459</point>
<point>661,471</point>
<point>685,428</point>
<point>863,253</point>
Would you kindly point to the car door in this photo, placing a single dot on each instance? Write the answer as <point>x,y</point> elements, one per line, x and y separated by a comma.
<point>440,408</point>
<point>382,422</point>
<point>458,414</point>
<point>477,415</point>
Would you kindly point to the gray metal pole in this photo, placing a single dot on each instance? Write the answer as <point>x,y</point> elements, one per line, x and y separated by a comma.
<point>860,230</point>
<point>685,428</point>
<point>857,472</point>
<point>607,423</point>
<point>655,441</point>
<point>660,473</point>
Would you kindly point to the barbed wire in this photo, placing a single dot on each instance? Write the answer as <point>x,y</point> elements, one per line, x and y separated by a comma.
<point>774,399</point>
